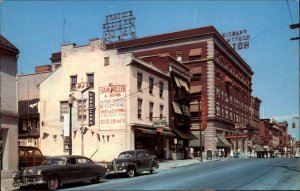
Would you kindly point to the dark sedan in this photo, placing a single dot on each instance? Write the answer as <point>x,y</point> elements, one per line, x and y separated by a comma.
<point>132,162</point>
<point>59,170</point>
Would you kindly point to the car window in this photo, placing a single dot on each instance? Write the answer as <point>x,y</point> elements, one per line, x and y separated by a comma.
<point>147,154</point>
<point>37,153</point>
<point>140,155</point>
<point>83,161</point>
<point>29,152</point>
<point>128,154</point>
<point>54,161</point>
<point>22,153</point>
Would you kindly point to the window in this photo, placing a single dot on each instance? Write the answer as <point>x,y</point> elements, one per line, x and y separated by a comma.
<point>218,110</point>
<point>179,56</point>
<point>151,111</point>
<point>161,89</point>
<point>66,143</point>
<point>226,112</point>
<point>226,96</point>
<point>106,61</point>
<point>81,110</point>
<point>151,83</point>
<point>90,80</point>
<point>218,92</point>
<point>140,102</point>
<point>161,111</point>
<point>195,54</point>
<point>139,81</point>
<point>73,82</point>
<point>64,109</point>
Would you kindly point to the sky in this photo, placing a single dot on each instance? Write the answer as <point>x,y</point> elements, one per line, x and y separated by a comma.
<point>36,29</point>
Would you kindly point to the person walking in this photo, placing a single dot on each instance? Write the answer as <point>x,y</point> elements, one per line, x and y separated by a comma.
<point>192,152</point>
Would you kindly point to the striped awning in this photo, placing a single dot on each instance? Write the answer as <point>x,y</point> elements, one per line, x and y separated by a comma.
<point>176,107</point>
<point>196,89</point>
<point>196,52</point>
<point>259,148</point>
<point>184,84</point>
<point>196,70</point>
<point>177,82</point>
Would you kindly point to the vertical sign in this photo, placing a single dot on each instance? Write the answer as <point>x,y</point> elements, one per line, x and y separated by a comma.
<point>112,107</point>
<point>91,108</point>
<point>203,113</point>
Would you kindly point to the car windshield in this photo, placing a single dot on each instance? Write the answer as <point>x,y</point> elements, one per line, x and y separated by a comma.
<point>54,161</point>
<point>128,154</point>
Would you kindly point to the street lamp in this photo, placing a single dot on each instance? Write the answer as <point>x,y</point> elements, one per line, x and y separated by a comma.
<point>70,101</point>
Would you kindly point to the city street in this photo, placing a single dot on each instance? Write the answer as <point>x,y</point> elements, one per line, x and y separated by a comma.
<point>232,174</point>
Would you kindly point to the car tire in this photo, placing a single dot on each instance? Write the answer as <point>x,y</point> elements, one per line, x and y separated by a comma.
<point>96,180</point>
<point>130,172</point>
<point>52,183</point>
<point>152,171</point>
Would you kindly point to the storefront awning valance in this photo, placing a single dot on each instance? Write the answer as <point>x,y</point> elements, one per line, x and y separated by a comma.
<point>196,89</point>
<point>176,107</point>
<point>184,134</point>
<point>147,131</point>
<point>196,142</point>
<point>259,148</point>
<point>222,141</point>
<point>196,52</point>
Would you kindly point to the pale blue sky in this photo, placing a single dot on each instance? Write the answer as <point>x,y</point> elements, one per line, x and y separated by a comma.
<point>36,28</point>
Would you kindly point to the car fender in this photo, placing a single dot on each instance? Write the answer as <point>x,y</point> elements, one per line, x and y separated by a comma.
<point>130,164</point>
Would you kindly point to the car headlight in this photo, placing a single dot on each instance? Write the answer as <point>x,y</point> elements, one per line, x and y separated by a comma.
<point>39,172</point>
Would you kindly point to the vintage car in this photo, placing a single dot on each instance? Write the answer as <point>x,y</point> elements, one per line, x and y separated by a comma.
<point>30,156</point>
<point>58,170</point>
<point>132,162</point>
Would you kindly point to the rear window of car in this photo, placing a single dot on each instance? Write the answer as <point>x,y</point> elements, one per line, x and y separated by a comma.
<point>128,154</point>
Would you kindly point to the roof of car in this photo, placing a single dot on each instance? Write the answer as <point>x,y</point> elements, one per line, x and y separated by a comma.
<point>66,156</point>
<point>136,150</point>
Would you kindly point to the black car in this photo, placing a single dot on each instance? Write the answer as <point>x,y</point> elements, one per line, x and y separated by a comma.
<point>132,162</point>
<point>59,170</point>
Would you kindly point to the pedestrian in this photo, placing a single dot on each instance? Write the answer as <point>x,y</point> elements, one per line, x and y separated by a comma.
<point>186,153</point>
<point>192,152</point>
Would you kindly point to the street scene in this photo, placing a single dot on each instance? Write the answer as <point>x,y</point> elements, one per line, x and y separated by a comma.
<point>142,95</point>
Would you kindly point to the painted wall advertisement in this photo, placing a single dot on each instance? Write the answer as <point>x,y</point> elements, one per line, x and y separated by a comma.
<point>112,107</point>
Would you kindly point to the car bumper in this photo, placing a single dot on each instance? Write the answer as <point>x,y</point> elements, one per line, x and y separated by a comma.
<point>110,172</point>
<point>26,182</point>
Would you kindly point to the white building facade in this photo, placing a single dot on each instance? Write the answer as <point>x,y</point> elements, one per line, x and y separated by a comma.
<point>117,99</point>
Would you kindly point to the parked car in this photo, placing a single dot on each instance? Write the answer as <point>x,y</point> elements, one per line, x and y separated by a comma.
<point>58,170</point>
<point>30,156</point>
<point>132,162</point>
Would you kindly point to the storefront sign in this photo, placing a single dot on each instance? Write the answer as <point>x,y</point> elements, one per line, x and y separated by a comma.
<point>91,108</point>
<point>112,107</point>
<point>237,39</point>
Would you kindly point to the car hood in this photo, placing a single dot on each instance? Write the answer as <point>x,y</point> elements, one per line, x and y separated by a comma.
<point>34,169</point>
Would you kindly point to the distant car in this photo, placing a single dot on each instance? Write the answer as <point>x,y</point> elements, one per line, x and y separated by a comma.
<point>132,162</point>
<point>297,155</point>
<point>59,170</point>
<point>30,156</point>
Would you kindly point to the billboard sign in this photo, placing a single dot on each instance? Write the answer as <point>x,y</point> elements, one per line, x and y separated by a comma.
<point>237,39</point>
<point>112,107</point>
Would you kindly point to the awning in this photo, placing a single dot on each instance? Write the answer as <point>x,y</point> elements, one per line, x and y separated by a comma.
<point>176,107</point>
<point>185,134</point>
<point>194,107</point>
<point>227,79</point>
<point>196,142</point>
<point>195,52</point>
<point>222,141</point>
<point>196,70</point>
<point>184,84</point>
<point>155,132</point>
<point>147,131</point>
<point>259,148</point>
<point>196,89</point>
<point>177,82</point>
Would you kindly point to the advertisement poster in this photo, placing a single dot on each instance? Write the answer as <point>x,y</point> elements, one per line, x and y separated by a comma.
<point>112,107</point>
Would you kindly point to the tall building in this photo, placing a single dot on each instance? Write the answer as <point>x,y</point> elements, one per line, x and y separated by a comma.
<point>8,108</point>
<point>221,79</point>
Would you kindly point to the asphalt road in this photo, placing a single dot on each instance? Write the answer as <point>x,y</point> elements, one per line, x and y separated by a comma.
<point>232,174</point>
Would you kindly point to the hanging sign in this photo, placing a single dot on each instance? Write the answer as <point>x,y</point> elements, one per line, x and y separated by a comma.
<point>91,108</point>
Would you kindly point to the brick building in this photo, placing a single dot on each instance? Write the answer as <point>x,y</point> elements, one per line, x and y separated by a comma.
<point>220,77</point>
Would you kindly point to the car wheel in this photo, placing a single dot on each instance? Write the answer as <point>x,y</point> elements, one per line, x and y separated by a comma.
<point>152,171</point>
<point>130,172</point>
<point>96,180</point>
<point>53,183</point>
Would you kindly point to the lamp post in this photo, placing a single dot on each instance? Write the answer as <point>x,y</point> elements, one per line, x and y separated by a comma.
<point>200,131</point>
<point>70,101</point>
